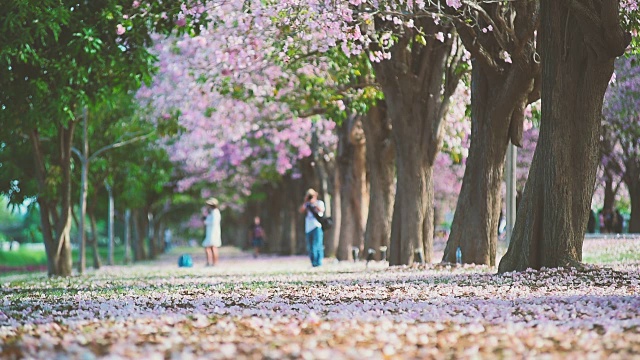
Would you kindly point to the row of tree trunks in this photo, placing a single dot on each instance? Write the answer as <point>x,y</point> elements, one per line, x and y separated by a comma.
<point>348,184</point>
<point>579,44</point>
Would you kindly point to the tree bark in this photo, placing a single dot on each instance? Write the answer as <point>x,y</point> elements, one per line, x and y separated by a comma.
<point>417,83</point>
<point>139,235</point>
<point>381,154</point>
<point>497,104</point>
<point>56,227</point>
<point>500,92</point>
<point>331,246</point>
<point>353,187</point>
<point>84,187</point>
<point>94,240</point>
<point>579,46</point>
<point>632,180</point>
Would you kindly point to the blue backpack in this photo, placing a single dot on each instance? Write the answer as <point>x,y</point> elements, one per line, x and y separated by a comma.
<point>185,261</point>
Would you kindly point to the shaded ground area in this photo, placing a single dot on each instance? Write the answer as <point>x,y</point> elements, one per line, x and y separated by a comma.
<point>280,307</point>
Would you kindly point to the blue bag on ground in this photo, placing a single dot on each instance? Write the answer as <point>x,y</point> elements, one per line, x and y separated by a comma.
<point>185,261</point>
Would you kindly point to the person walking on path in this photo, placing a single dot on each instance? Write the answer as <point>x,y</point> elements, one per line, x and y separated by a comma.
<point>257,236</point>
<point>213,237</point>
<point>312,227</point>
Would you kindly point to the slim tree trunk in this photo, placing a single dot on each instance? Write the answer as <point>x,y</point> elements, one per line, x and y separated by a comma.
<point>381,165</point>
<point>417,83</point>
<point>84,186</point>
<point>331,247</point>
<point>127,236</point>
<point>94,240</point>
<point>151,234</point>
<point>579,45</point>
<point>609,194</point>
<point>632,180</point>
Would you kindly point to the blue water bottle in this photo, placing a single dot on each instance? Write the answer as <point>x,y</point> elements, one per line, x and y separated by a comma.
<point>458,256</point>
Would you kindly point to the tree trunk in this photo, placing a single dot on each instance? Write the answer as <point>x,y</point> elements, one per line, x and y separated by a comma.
<point>290,218</point>
<point>151,234</point>
<point>609,194</point>
<point>381,165</point>
<point>94,240</point>
<point>353,187</point>
<point>632,180</point>
<point>127,236</point>
<point>417,83</point>
<point>579,45</point>
<point>139,233</point>
<point>331,246</point>
<point>56,227</point>
<point>84,187</point>
<point>497,105</point>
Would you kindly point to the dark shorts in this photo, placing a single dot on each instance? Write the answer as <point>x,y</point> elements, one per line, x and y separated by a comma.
<point>257,242</point>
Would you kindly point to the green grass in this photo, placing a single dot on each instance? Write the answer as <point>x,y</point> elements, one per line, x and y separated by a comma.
<point>26,257</point>
<point>23,257</point>
<point>607,258</point>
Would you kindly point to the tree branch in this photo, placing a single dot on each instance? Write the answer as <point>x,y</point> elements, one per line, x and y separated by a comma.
<point>118,144</point>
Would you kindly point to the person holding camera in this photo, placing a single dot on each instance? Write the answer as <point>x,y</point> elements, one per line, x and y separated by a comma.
<point>312,226</point>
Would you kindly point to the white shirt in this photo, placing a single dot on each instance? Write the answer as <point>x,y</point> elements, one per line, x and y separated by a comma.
<point>213,234</point>
<point>310,221</point>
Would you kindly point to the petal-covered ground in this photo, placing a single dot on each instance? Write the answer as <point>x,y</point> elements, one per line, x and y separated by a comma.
<point>280,307</point>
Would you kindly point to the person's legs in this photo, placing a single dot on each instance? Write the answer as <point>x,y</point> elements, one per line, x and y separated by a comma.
<point>214,250</point>
<point>309,238</point>
<point>209,253</point>
<point>318,242</point>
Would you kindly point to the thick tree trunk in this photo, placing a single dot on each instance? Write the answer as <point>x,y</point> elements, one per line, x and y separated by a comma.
<point>412,227</point>
<point>381,166</point>
<point>417,83</point>
<point>579,45</point>
<point>500,90</point>
<point>353,187</point>
<point>497,104</point>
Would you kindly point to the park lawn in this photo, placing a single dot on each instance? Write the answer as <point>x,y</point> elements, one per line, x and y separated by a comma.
<point>28,257</point>
<point>23,257</point>
<point>280,307</point>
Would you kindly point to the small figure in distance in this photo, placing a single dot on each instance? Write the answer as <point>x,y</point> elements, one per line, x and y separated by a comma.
<point>257,236</point>
<point>213,236</point>
<point>312,227</point>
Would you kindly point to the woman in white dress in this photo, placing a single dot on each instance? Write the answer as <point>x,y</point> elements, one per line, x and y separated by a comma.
<point>212,239</point>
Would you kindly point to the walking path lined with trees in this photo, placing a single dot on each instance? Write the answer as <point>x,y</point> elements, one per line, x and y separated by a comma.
<point>120,117</point>
<point>281,307</point>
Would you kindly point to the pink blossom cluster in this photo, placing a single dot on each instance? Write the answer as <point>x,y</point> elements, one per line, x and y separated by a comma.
<point>229,136</point>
